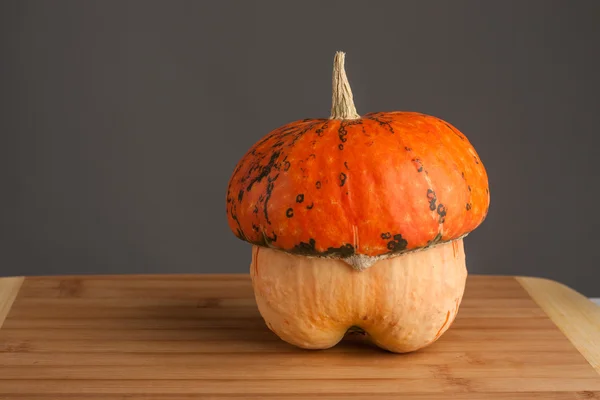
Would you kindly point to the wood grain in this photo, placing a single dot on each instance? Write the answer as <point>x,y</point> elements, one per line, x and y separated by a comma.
<point>587,395</point>
<point>576,316</point>
<point>198,336</point>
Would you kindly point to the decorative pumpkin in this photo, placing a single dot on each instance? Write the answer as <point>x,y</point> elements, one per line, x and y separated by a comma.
<point>357,222</point>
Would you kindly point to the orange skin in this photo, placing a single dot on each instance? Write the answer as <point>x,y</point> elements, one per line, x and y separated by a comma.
<point>386,183</point>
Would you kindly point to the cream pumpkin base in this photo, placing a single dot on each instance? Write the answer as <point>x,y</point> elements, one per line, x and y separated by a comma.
<point>403,303</point>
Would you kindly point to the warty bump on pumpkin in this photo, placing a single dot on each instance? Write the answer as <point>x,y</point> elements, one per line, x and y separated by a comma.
<point>358,188</point>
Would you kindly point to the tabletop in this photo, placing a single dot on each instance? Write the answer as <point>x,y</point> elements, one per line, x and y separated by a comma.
<point>201,336</point>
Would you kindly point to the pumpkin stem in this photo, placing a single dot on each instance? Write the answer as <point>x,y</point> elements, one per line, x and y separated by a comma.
<point>342,106</point>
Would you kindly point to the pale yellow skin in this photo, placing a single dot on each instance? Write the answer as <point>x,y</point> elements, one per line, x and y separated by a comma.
<point>404,303</point>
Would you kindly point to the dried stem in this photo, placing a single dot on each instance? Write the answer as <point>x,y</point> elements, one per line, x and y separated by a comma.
<point>342,106</point>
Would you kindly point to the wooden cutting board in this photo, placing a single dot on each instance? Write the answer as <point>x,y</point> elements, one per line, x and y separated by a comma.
<point>182,337</point>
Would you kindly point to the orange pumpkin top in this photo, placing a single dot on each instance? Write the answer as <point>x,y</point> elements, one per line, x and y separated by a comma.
<point>381,184</point>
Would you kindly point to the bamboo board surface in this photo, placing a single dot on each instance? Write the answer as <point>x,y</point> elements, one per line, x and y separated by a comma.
<point>201,336</point>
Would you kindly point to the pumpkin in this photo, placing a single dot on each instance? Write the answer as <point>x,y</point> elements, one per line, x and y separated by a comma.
<point>357,223</point>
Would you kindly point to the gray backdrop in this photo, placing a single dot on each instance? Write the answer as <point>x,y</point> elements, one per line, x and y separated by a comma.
<point>121,121</point>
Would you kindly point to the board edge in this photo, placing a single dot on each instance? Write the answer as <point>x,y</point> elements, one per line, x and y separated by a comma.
<point>577,317</point>
<point>9,289</point>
